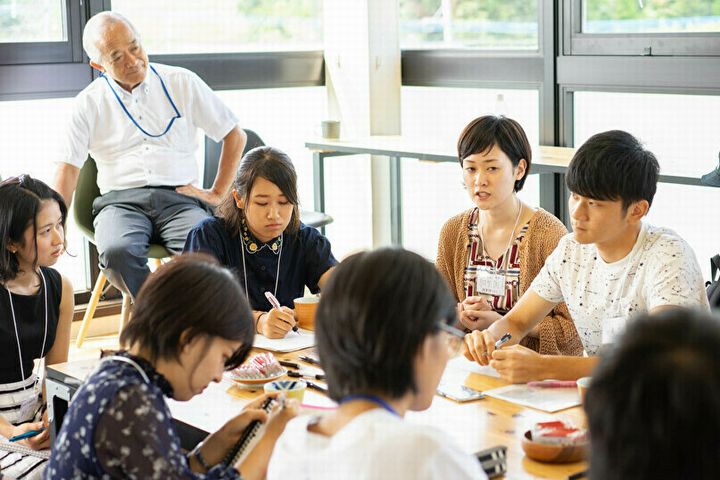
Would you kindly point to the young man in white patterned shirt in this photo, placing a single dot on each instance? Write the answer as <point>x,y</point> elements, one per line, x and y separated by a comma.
<point>610,268</point>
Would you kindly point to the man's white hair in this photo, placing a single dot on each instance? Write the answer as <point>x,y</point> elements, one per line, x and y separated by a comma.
<point>95,27</point>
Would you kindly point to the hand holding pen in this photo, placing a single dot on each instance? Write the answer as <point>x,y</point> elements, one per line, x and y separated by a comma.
<point>278,321</point>
<point>479,345</point>
<point>34,435</point>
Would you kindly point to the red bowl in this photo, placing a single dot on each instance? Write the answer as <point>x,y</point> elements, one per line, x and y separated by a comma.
<point>553,453</point>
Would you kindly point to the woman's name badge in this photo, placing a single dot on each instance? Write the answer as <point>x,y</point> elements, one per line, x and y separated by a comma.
<point>490,283</point>
<point>29,407</point>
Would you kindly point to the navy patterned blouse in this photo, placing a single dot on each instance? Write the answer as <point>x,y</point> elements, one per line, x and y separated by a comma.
<point>119,426</point>
<point>304,258</point>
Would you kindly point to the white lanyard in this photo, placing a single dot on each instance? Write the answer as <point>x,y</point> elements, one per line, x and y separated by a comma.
<point>131,362</point>
<point>510,240</point>
<point>507,250</point>
<point>277,273</point>
<point>17,336</point>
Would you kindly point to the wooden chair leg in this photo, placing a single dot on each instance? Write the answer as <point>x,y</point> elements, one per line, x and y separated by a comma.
<point>90,310</point>
<point>124,313</point>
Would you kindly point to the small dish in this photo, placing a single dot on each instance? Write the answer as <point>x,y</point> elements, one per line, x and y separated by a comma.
<point>553,453</point>
<point>291,388</point>
<point>256,381</point>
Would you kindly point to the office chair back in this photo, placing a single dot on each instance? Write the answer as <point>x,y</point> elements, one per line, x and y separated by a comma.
<point>212,155</point>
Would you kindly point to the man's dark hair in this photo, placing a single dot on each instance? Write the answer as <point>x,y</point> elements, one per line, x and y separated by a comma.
<point>273,165</point>
<point>374,314</point>
<point>483,133</point>
<point>20,201</point>
<point>653,401</point>
<point>193,295</point>
<point>613,165</point>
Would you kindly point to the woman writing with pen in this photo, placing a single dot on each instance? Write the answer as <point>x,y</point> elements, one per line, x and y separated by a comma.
<point>383,342</point>
<point>257,233</point>
<point>119,424</point>
<point>36,303</point>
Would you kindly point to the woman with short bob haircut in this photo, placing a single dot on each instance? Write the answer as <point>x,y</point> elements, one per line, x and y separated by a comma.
<point>491,253</point>
<point>190,323</point>
<point>257,233</point>
<point>383,339</point>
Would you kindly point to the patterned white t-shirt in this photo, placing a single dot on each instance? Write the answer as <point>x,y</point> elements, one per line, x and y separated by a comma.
<point>661,269</point>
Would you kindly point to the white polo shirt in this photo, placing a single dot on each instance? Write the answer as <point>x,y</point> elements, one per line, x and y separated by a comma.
<point>125,156</point>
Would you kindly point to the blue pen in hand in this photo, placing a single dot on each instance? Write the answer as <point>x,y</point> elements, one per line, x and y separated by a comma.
<point>28,434</point>
<point>274,302</point>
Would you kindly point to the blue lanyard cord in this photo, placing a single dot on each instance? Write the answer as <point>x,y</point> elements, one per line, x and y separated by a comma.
<point>167,94</point>
<point>370,398</point>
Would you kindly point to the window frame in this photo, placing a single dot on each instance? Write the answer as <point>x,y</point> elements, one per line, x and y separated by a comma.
<point>575,42</point>
<point>68,51</point>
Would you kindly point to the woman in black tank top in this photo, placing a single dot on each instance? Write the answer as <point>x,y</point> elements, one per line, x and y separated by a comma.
<point>36,302</point>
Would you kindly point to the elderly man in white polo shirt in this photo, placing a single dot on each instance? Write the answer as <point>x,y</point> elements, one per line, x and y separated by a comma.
<point>139,122</point>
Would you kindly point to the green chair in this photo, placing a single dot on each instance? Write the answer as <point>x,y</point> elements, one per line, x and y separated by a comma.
<point>85,193</point>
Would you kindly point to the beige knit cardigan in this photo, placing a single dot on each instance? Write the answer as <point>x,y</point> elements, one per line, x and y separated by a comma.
<point>557,334</point>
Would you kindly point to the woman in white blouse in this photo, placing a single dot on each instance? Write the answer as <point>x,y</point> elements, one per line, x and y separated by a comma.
<point>383,342</point>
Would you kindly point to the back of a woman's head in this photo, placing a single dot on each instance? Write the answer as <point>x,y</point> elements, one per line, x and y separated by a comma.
<point>20,201</point>
<point>189,296</point>
<point>375,311</point>
<point>653,401</point>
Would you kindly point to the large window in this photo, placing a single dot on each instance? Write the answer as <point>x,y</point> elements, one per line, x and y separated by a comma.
<point>641,27</point>
<point>21,124</point>
<point>682,132</point>
<point>32,21</point>
<point>647,16</point>
<point>216,26</point>
<point>490,24</point>
<point>433,192</point>
<point>39,31</point>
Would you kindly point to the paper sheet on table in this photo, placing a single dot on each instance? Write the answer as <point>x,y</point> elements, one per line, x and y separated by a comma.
<point>459,367</point>
<point>545,399</point>
<point>291,342</point>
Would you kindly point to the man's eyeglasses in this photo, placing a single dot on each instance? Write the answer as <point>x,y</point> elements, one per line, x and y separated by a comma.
<point>454,338</point>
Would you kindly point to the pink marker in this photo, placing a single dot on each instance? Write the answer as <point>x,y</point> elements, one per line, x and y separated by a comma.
<point>274,302</point>
<point>553,384</point>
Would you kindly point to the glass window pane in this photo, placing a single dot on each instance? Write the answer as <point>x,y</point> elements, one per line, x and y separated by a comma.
<point>689,211</point>
<point>681,130</point>
<point>214,26</point>
<point>646,16</point>
<point>21,122</point>
<point>433,192</point>
<point>32,21</point>
<point>493,24</point>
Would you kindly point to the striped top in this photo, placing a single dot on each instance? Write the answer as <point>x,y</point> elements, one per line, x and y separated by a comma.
<point>478,260</point>
<point>30,317</point>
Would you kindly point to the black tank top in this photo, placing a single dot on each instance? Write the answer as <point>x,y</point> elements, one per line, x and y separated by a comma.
<point>30,318</point>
